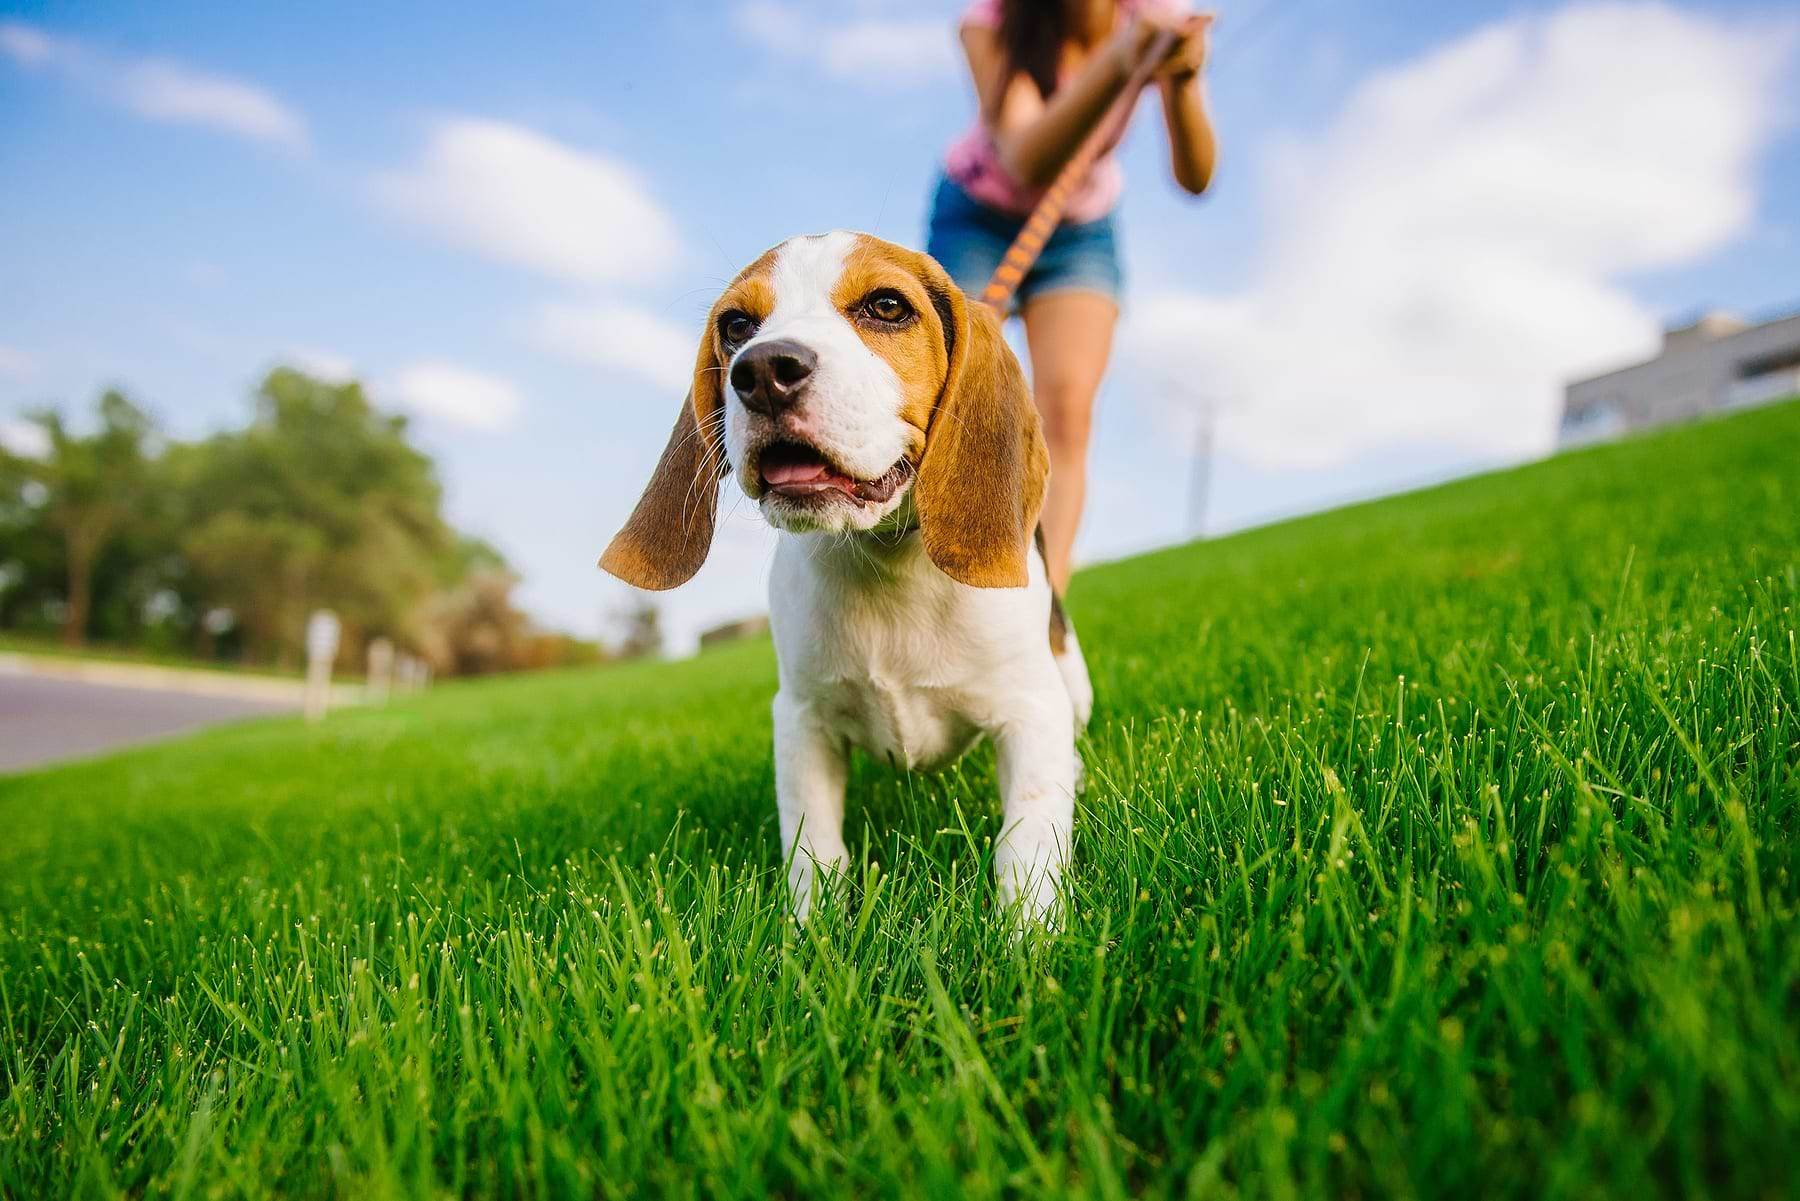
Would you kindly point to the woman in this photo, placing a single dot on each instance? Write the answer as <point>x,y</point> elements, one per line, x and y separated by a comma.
<point>1045,72</point>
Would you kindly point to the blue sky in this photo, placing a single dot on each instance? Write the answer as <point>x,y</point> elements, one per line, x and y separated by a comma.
<point>510,224</point>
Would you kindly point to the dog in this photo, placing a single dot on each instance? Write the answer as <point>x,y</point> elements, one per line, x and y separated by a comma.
<point>878,419</point>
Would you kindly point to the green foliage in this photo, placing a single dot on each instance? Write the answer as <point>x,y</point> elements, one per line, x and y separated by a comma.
<point>32,576</point>
<point>479,629</point>
<point>321,501</point>
<point>1444,846</point>
<point>82,492</point>
<point>469,556</point>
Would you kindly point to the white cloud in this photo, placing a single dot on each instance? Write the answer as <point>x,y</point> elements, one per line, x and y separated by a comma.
<point>457,395</point>
<point>518,197</point>
<point>618,338</point>
<point>1449,251</point>
<point>162,91</point>
<point>874,51</point>
<point>25,45</point>
<point>888,52</point>
<point>166,92</point>
<point>775,26</point>
<point>24,438</point>
<point>16,364</point>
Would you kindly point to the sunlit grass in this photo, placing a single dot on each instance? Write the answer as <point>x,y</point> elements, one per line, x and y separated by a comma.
<point>1442,846</point>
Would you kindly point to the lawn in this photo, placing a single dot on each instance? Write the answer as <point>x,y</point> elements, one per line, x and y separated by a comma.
<point>1441,846</point>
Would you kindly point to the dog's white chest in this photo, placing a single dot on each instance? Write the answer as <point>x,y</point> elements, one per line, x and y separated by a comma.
<point>901,661</point>
<point>909,727</point>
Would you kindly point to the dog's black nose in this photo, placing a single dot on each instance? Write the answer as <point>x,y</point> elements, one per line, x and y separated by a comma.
<point>769,377</point>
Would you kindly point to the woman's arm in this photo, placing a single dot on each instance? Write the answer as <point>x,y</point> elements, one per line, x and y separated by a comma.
<point>1191,145</point>
<point>1034,138</point>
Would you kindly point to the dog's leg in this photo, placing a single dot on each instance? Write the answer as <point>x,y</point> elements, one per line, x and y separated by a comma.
<point>811,767</point>
<point>1037,792</point>
<point>1073,667</point>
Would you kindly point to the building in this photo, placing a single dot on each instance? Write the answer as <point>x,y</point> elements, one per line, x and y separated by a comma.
<point>1715,363</point>
<point>732,631</point>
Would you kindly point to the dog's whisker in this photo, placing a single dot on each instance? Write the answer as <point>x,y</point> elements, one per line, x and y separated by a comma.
<point>700,479</point>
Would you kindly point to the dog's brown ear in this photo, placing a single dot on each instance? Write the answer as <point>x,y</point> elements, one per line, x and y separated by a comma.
<point>671,530</point>
<point>982,479</point>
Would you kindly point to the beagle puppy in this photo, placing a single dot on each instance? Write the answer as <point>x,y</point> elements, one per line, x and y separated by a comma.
<point>880,422</point>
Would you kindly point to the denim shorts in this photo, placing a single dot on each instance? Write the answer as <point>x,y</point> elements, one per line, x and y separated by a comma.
<point>969,239</point>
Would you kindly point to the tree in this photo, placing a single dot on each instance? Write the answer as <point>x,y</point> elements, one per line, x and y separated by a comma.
<point>86,488</point>
<point>474,629</point>
<point>320,501</point>
<point>640,629</point>
<point>32,577</point>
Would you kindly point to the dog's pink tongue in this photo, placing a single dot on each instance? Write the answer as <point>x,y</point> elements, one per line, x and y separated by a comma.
<point>795,473</point>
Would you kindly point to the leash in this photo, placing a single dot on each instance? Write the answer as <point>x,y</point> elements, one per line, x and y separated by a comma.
<point>1045,217</point>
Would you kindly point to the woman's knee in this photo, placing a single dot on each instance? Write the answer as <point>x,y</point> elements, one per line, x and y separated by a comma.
<point>1068,416</point>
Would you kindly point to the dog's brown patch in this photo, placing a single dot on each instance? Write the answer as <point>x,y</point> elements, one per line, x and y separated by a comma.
<point>670,533</point>
<point>982,480</point>
<point>917,350</point>
<point>1059,620</point>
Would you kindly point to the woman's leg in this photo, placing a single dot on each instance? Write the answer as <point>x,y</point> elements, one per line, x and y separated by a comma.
<point>1069,335</point>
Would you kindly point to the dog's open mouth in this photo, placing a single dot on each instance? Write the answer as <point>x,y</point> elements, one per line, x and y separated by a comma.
<point>794,469</point>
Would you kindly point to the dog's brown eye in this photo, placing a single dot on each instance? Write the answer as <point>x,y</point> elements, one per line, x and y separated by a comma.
<point>890,307</point>
<point>736,328</point>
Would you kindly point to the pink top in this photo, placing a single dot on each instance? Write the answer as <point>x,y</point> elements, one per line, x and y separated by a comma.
<point>973,163</point>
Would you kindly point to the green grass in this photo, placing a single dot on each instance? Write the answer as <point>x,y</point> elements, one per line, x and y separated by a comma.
<point>1443,846</point>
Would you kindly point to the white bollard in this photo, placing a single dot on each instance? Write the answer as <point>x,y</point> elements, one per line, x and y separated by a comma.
<point>321,649</point>
<point>381,671</point>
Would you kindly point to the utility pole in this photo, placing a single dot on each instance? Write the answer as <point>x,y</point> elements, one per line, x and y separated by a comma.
<point>1200,470</point>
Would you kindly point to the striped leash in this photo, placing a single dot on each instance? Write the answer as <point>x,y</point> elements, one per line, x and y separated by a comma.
<point>1045,217</point>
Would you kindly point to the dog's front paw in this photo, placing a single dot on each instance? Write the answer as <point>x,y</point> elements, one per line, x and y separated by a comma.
<point>807,876</point>
<point>1030,892</point>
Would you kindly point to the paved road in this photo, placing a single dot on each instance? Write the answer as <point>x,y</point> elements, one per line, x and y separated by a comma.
<point>43,720</point>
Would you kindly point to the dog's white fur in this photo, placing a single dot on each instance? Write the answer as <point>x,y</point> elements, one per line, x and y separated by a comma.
<point>878,648</point>
<point>853,401</point>
<point>881,650</point>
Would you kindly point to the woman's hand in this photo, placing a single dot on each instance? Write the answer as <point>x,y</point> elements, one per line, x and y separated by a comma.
<point>1191,145</point>
<point>1188,58</point>
<point>1185,59</point>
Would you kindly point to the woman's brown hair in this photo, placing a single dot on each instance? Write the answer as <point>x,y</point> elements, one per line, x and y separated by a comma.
<point>1032,33</point>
